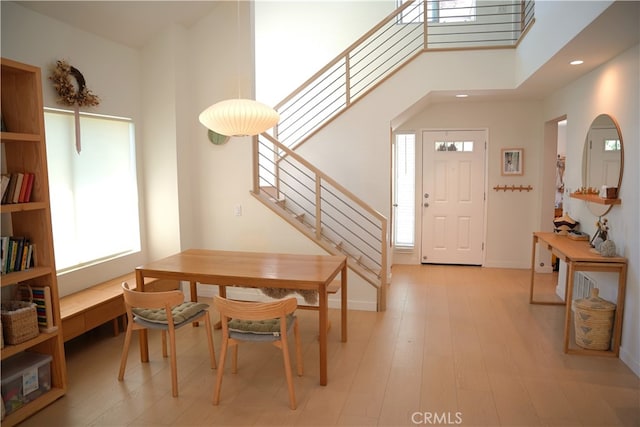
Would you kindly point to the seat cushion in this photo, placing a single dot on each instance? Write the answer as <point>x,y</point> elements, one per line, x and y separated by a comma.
<point>260,327</point>
<point>180,313</point>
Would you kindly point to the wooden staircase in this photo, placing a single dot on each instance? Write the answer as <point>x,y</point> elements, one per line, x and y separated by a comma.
<point>313,214</point>
<point>312,202</point>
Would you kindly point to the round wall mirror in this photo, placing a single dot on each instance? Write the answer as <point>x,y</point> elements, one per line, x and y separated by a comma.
<point>602,159</point>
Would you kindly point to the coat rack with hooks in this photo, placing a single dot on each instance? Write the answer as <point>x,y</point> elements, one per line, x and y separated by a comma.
<point>513,188</point>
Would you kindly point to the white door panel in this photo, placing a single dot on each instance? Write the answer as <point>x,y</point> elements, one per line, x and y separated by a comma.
<point>453,197</point>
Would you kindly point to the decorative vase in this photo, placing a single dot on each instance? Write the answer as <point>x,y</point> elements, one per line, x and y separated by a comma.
<point>597,242</point>
<point>607,248</point>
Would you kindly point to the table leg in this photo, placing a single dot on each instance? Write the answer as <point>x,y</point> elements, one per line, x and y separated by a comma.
<point>533,274</point>
<point>617,325</point>
<point>323,308</point>
<point>568,298</point>
<point>533,268</point>
<point>343,297</point>
<point>193,290</point>
<point>142,334</point>
<point>222,291</point>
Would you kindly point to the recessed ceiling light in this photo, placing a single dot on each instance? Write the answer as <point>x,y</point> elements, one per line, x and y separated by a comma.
<point>577,62</point>
<point>461,95</point>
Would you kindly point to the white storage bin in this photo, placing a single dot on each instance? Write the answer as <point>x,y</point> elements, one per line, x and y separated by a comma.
<point>25,377</point>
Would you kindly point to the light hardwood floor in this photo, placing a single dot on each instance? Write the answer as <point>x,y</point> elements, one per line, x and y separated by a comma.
<point>458,345</point>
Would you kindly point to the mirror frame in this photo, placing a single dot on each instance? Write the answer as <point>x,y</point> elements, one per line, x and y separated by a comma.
<point>600,209</point>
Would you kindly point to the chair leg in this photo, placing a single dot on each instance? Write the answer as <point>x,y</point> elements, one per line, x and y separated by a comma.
<point>296,336</point>
<point>234,358</point>
<point>212,353</point>
<point>223,356</point>
<point>174,364</point>
<point>287,371</point>
<point>164,343</point>
<point>125,352</point>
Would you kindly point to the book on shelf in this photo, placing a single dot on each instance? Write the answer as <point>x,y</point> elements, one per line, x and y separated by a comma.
<point>16,259</point>
<point>29,189</point>
<point>26,183</point>
<point>4,250</point>
<point>5,184</point>
<point>17,254</point>
<point>16,192</point>
<point>13,253</point>
<point>17,187</point>
<point>11,188</point>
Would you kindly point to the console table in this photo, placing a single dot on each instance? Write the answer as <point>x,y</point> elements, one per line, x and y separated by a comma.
<point>579,257</point>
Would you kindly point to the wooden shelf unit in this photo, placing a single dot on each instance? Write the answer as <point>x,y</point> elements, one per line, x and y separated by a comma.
<point>595,199</point>
<point>24,150</point>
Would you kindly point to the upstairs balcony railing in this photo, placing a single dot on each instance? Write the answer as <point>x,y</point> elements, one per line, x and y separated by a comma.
<point>402,35</point>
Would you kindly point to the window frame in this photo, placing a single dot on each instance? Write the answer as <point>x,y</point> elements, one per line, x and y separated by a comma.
<point>411,206</point>
<point>130,256</point>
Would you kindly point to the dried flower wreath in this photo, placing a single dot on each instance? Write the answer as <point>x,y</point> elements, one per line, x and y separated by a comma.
<point>68,95</point>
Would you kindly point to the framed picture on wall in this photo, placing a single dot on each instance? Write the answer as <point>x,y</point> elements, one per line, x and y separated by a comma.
<point>512,161</point>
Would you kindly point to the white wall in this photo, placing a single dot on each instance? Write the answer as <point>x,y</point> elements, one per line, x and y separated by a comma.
<point>219,177</point>
<point>514,214</point>
<point>159,127</point>
<point>557,22</point>
<point>112,72</point>
<point>295,39</point>
<point>614,89</point>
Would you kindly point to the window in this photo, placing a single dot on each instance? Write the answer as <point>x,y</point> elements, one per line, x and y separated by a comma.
<point>611,145</point>
<point>454,146</point>
<point>439,11</point>
<point>94,194</point>
<point>404,163</point>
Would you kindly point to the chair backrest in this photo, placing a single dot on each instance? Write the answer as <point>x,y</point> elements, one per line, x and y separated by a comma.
<point>255,310</point>
<point>165,299</point>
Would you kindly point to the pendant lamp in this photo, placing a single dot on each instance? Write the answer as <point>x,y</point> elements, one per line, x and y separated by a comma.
<point>239,117</point>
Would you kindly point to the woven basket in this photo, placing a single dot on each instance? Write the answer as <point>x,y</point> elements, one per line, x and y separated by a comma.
<point>19,321</point>
<point>593,322</point>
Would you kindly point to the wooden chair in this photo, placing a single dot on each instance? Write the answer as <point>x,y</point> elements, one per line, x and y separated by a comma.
<point>166,311</point>
<point>264,322</point>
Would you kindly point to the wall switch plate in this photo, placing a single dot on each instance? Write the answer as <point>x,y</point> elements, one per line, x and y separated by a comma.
<point>237,210</point>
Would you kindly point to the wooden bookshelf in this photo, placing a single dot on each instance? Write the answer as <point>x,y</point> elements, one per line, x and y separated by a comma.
<point>24,150</point>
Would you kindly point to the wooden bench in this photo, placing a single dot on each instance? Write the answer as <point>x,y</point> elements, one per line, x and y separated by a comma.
<point>333,288</point>
<point>99,304</point>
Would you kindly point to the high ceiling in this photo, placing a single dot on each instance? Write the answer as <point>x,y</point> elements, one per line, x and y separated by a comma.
<point>131,23</point>
<point>134,23</point>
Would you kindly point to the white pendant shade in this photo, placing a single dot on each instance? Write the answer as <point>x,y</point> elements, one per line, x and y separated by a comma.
<point>238,117</point>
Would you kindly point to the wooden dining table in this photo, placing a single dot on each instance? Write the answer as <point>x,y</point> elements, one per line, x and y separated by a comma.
<point>258,270</point>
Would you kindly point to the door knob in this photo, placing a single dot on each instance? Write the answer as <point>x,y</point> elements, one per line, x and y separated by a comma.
<point>426,205</point>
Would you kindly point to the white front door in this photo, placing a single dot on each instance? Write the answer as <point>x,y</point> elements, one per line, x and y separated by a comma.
<point>453,171</point>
